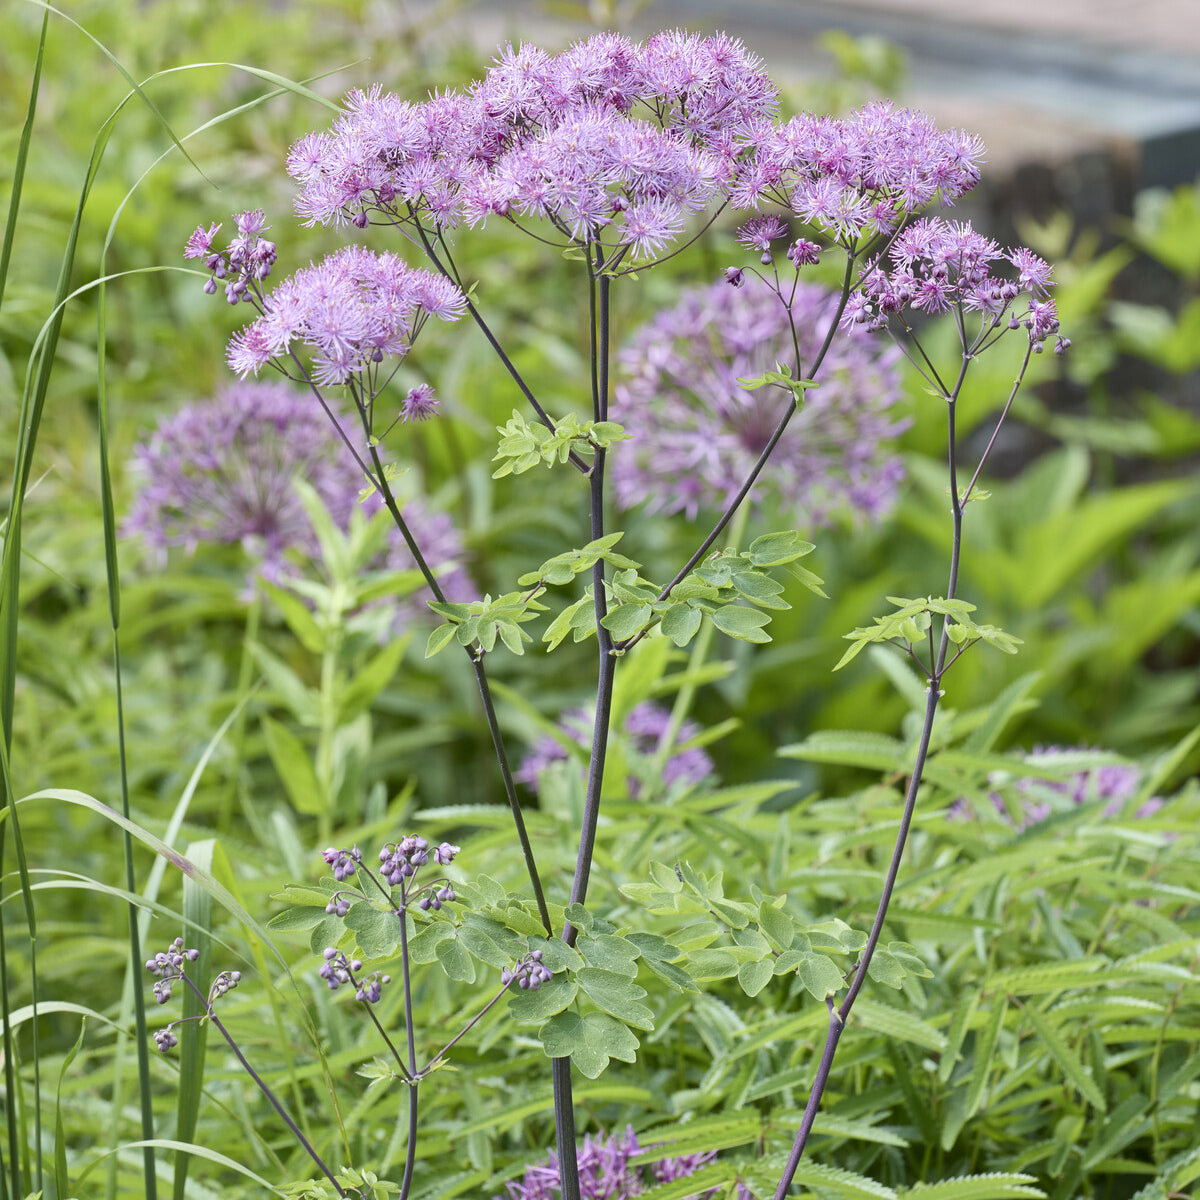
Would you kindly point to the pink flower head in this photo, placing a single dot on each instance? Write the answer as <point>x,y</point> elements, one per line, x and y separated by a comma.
<point>200,242</point>
<point>420,404</point>
<point>351,309</point>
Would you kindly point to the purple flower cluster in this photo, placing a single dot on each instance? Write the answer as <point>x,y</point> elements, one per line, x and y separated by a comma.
<point>337,970</point>
<point>859,175</point>
<point>611,141</point>
<point>1114,784</point>
<point>344,863</point>
<point>399,863</point>
<point>169,967</point>
<point>697,431</point>
<point>353,309</point>
<point>606,1172</point>
<point>243,264</point>
<point>644,730</point>
<point>529,973</point>
<point>223,471</point>
<point>937,266</point>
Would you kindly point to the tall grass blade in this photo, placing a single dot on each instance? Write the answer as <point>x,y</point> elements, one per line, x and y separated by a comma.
<point>62,1177</point>
<point>197,908</point>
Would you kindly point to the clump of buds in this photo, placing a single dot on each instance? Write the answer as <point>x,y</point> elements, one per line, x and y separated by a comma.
<point>529,972</point>
<point>170,966</point>
<point>337,970</point>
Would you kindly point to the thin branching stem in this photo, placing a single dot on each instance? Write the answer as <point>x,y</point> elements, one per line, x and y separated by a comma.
<point>937,668</point>
<point>262,1085</point>
<point>507,362</point>
<point>599,286</point>
<point>376,475</point>
<point>752,477</point>
<point>410,1151</point>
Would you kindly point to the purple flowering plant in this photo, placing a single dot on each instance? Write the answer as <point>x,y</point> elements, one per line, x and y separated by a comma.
<point>618,155</point>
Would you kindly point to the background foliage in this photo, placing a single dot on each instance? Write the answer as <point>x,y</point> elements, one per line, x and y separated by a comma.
<point>1038,1012</point>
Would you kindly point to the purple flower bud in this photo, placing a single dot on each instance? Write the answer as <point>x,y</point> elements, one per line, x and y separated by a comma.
<point>424,904</point>
<point>733,276</point>
<point>361,220</point>
<point>210,286</point>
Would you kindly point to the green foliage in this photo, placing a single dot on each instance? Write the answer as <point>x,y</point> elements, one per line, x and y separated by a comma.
<point>524,444</point>
<point>911,624</point>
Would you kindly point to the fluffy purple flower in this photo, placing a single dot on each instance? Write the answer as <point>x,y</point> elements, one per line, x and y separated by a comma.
<point>697,431</point>
<point>419,404</point>
<point>223,471</point>
<point>607,1173</point>
<point>858,175</point>
<point>644,730</point>
<point>934,266</point>
<point>1114,784</point>
<point>352,310</point>
<point>610,141</point>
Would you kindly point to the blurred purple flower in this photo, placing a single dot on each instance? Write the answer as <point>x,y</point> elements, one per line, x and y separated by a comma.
<point>697,431</point>
<point>606,1173</point>
<point>1114,784</point>
<point>644,730</point>
<point>223,471</point>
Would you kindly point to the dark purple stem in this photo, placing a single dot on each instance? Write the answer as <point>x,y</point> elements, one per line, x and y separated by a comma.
<point>937,668</point>
<point>262,1087</point>
<point>564,1116</point>
<point>410,1153</point>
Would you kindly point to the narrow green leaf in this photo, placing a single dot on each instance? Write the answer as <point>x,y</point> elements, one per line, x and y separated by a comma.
<point>985,1051</point>
<point>1068,1061</point>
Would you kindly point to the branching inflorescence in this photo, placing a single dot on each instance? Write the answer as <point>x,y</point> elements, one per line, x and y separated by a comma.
<point>617,152</point>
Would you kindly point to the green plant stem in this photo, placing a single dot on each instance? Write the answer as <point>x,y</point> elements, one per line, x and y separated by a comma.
<point>410,1150</point>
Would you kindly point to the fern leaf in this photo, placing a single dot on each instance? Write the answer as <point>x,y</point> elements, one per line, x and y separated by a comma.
<point>994,1186</point>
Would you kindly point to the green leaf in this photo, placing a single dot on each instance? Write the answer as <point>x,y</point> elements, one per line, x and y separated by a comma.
<point>995,1186</point>
<point>985,1050</point>
<point>820,975</point>
<point>423,947</point>
<point>609,952</point>
<point>296,918</point>
<point>754,976</point>
<point>626,620</point>
<point>846,1183</point>
<point>550,998</point>
<point>1067,1060</point>
<point>680,623</point>
<point>281,679</point>
<point>898,1025</point>
<point>849,748</point>
<point>616,995</point>
<point>776,549</point>
<point>377,933</point>
<point>884,968</point>
<point>778,927</point>
<point>370,680</point>
<point>562,1035</point>
<point>455,960</point>
<point>291,760</point>
<point>739,621</point>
